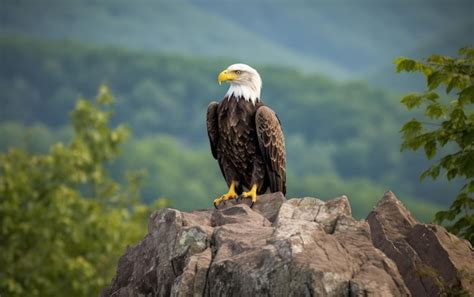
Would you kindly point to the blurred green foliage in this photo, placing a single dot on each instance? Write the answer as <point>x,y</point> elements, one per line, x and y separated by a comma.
<point>346,133</point>
<point>64,221</point>
<point>446,121</point>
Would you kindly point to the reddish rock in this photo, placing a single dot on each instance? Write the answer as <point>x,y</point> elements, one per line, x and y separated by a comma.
<point>299,247</point>
<point>431,261</point>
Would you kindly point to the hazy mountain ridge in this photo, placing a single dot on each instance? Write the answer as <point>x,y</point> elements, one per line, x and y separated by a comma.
<point>341,38</point>
<point>450,40</point>
<point>169,26</point>
<point>362,35</point>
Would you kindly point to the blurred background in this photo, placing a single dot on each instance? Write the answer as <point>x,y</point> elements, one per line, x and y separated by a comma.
<point>75,190</point>
<point>327,70</point>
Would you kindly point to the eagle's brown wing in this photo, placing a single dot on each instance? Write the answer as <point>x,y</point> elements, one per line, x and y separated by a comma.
<point>212,127</point>
<point>272,146</point>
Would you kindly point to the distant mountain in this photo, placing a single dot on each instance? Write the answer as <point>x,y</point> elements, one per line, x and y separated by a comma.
<point>360,36</point>
<point>171,26</point>
<point>448,43</point>
<point>342,38</point>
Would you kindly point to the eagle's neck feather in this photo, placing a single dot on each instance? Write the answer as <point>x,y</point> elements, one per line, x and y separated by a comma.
<point>249,93</point>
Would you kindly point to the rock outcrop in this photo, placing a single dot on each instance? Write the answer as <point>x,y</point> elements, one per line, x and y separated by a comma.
<point>299,247</point>
<point>431,261</point>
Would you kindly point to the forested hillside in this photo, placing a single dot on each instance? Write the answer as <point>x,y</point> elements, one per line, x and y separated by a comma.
<point>343,38</point>
<point>342,138</point>
<point>358,36</point>
<point>454,35</point>
<point>171,26</point>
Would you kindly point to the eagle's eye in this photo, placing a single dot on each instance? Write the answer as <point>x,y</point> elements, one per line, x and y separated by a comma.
<point>238,72</point>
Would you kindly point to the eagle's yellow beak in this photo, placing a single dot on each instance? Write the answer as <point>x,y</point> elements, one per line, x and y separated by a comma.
<point>226,75</point>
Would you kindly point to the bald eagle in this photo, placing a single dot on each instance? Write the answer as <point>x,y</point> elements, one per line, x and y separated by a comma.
<point>246,137</point>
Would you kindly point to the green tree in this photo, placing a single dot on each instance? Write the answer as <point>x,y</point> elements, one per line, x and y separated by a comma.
<point>63,221</point>
<point>448,122</point>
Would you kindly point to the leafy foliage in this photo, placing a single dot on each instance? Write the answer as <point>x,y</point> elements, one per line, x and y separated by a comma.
<point>453,127</point>
<point>64,221</point>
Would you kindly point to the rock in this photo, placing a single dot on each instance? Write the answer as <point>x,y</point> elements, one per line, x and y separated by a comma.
<point>431,261</point>
<point>325,214</point>
<point>268,205</point>
<point>342,260</point>
<point>192,281</point>
<point>299,247</point>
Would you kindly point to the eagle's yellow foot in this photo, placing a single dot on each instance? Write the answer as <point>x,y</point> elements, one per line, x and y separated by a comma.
<point>228,196</point>
<point>251,194</point>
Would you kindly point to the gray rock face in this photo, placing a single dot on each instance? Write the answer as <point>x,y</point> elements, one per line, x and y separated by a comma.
<point>432,261</point>
<point>299,247</point>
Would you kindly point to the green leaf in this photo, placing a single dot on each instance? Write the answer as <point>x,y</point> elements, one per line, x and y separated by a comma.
<point>412,100</point>
<point>435,79</point>
<point>444,216</point>
<point>448,161</point>
<point>453,83</point>
<point>430,149</point>
<point>470,186</point>
<point>466,162</point>
<point>433,172</point>
<point>434,110</point>
<point>405,64</point>
<point>432,96</point>
<point>452,173</point>
<point>411,128</point>
<point>467,95</point>
<point>457,116</point>
<point>437,59</point>
<point>461,200</point>
<point>467,138</point>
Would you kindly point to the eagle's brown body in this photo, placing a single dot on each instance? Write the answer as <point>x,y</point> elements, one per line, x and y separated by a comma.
<point>247,141</point>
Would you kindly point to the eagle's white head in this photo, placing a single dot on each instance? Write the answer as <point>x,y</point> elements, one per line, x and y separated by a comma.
<point>244,82</point>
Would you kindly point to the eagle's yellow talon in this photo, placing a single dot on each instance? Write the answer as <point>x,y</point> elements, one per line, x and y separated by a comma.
<point>228,196</point>
<point>251,194</point>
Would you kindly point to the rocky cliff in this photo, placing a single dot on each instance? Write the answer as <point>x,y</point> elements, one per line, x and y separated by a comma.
<point>296,247</point>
